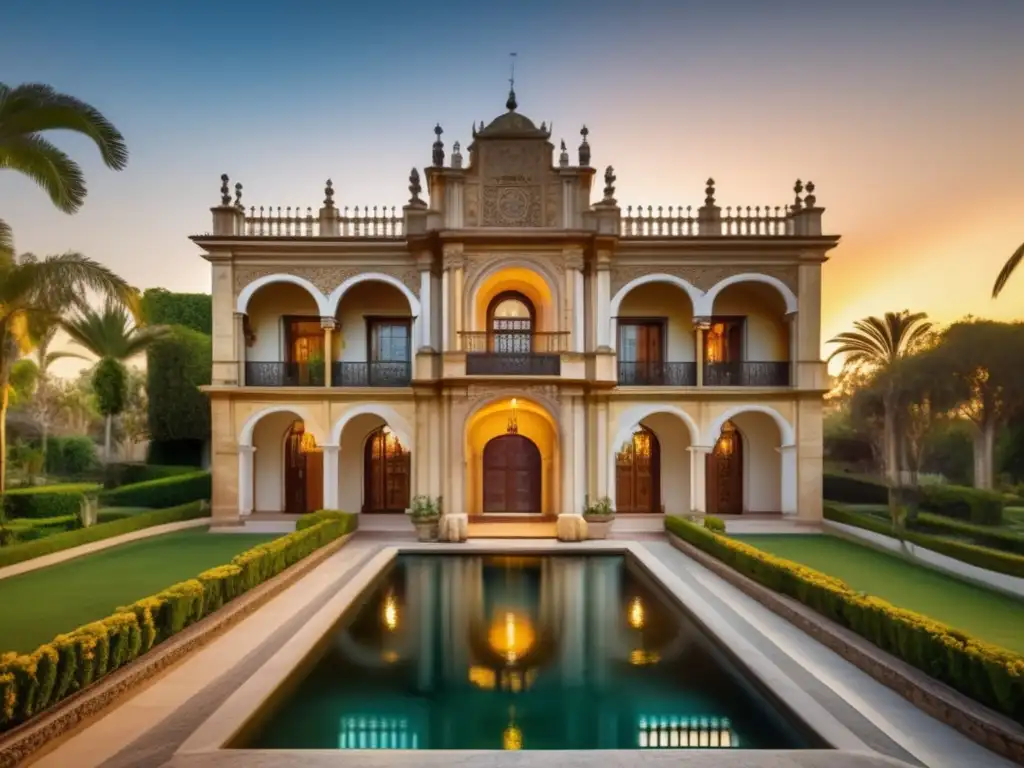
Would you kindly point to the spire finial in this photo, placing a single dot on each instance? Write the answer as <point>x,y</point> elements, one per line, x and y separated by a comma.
<point>511,105</point>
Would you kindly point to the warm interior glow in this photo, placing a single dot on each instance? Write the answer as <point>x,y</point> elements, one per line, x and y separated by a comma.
<point>512,738</point>
<point>727,442</point>
<point>390,613</point>
<point>307,443</point>
<point>714,345</point>
<point>636,613</point>
<point>512,636</point>
<point>525,281</point>
<point>482,678</point>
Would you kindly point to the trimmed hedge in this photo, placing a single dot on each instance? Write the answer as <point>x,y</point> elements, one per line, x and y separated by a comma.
<point>164,492</point>
<point>313,518</point>
<point>969,504</point>
<point>983,557</point>
<point>31,683</point>
<point>986,536</point>
<point>17,553</point>
<point>986,673</point>
<point>47,500</point>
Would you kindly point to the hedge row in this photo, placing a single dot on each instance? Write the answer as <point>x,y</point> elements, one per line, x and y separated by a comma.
<point>47,500</point>
<point>969,504</point>
<point>120,474</point>
<point>989,674</point>
<point>160,493</point>
<point>983,557</point>
<point>31,683</point>
<point>17,553</point>
<point>986,536</point>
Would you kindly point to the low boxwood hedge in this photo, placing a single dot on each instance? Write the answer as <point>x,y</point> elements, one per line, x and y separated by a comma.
<point>307,521</point>
<point>853,490</point>
<point>973,554</point>
<point>985,535</point>
<point>160,493</point>
<point>31,683</point>
<point>17,553</point>
<point>47,500</point>
<point>120,474</point>
<point>987,673</point>
<point>968,504</point>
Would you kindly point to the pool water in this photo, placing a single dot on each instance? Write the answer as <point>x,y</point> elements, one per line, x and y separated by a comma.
<point>451,652</point>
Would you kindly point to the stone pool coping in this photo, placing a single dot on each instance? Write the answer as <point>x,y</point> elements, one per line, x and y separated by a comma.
<point>78,710</point>
<point>208,741</point>
<point>975,721</point>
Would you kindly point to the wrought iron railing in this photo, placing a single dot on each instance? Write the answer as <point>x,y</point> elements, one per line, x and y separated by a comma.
<point>657,374</point>
<point>515,342</point>
<point>746,373</point>
<point>377,373</point>
<point>496,364</point>
<point>278,374</point>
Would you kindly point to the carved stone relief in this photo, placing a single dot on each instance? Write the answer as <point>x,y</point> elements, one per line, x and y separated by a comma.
<point>703,278</point>
<point>471,201</point>
<point>478,395</point>
<point>512,176</point>
<point>512,206</point>
<point>553,203</point>
<point>326,279</point>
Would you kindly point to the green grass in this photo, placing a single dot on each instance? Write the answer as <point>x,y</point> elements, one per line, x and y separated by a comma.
<point>40,605</point>
<point>980,612</point>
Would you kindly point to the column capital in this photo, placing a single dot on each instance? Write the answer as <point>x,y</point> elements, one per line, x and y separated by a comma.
<point>573,258</point>
<point>328,323</point>
<point>247,449</point>
<point>700,448</point>
<point>701,323</point>
<point>330,447</point>
<point>791,317</point>
<point>453,256</point>
<point>786,448</point>
<point>239,315</point>
<point>424,260</point>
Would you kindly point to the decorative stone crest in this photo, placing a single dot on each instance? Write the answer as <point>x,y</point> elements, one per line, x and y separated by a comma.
<point>512,206</point>
<point>326,279</point>
<point>700,277</point>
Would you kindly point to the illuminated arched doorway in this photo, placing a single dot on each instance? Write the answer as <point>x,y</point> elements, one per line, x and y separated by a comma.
<point>725,473</point>
<point>303,471</point>
<point>386,482</point>
<point>638,473</point>
<point>510,323</point>
<point>512,475</point>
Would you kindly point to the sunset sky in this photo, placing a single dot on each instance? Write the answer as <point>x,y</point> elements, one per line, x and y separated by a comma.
<point>907,114</point>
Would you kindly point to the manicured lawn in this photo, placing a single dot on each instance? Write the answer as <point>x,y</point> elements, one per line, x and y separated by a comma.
<point>980,612</point>
<point>37,606</point>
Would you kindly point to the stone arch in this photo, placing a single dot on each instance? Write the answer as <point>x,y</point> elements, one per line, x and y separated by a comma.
<point>696,294</point>
<point>242,305</point>
<point>707,305</point>
<point>787,435</point>
<point>542,270</point>
<point>245,434</point>
<point>334,300</point>
<point>391,417</point>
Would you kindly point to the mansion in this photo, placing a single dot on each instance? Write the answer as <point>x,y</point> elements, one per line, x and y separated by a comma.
<point>514,342</point>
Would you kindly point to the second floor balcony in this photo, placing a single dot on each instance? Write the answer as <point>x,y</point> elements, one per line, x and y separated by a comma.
<point>513,352</point>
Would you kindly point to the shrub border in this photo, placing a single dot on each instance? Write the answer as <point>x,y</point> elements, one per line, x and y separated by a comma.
<point>982,725</point>
<point>22,741</point>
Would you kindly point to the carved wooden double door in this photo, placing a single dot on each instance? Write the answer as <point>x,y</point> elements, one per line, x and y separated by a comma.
<point>511,476</point>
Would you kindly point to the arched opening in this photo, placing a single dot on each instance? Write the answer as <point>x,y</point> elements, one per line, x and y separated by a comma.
<point>747,342</point>
<point>638,473</point>
<point>511,320</point>
<point>512,476</point>
<point>724,482</point>
<point>283,337</point>
<point>656,342</point>
<point>387,472</point>
<point>373,338</point>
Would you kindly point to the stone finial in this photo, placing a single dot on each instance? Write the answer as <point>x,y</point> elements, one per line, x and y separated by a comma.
<point>329,194</point>
<point>225,192</point>
<point>456,155</point>
<point>709,192</point>
<point>438,154</point>
<point>238,197</point>
<point>798,188</point>
<point>563,157</point>
<point>415,188</point>
<point>609,185</point>
<point>584,148</point>
<point>510,103</point>
<point>810,200</point>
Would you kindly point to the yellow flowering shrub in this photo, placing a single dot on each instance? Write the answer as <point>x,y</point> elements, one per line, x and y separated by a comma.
<point>987,673</point>
<point>30,683</point>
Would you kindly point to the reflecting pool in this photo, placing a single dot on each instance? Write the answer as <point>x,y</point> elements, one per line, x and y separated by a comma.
<point>503,652</point>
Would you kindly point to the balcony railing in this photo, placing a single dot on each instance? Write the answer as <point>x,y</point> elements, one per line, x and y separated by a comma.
<point>746,373</point>
<point>372,374</point>
<point>258,374</point>
<point>657,374</point>
<point>499,364</point>
<point>515,342</point>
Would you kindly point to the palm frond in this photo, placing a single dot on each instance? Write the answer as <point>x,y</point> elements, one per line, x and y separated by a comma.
<point>1008,269</point>
<point>32,108</point>
<point>879,342</point>
<point>6,241</point>
<point>59,176</point>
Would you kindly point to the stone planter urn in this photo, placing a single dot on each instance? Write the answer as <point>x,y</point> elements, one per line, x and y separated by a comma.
<point>598,526</point>
<point>426,528</point>
<point>425,514</point>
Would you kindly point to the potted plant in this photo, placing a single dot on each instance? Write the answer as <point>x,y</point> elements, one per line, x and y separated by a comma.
<point>599,516</point>
<point>425,513</point>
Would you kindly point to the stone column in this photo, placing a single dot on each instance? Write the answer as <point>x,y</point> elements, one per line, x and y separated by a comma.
<point>245,479</point>
<point>793,326</point>
<point>602,449</point>
<point>698,477</point>
<point>788,481</point>
<point>566,450</point>
<point>240,347</point>
<point>700,325</point>
<point>426,313</point>
<point>580,444</point>
<point>452,289</point>
<point>575,320</point>
<point>446,312</point>
<point>328,323</point>
<point>330,476</point>
<point>604,301</point>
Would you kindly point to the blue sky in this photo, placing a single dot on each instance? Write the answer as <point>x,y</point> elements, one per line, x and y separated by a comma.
<point>908,114</point>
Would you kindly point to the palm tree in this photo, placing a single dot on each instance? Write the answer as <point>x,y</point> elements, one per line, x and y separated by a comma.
<point>34,294</point>
<point>1007,270</point>
<point>878,345</point>
<point>31,109</point>
<point>112,336</point>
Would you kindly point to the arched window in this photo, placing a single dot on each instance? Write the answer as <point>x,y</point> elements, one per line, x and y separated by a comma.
<point>638,473</point>
<point>510,323</point>
<point>387,465</point>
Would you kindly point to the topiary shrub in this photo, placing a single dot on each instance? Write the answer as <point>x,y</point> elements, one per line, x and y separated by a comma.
<point>177,365</point>
<point>47,500</point>
<point>854,490</point>
<point>714,524</point>
<point>70,456</point>
<point>973,505</point>
<point>191,310</point>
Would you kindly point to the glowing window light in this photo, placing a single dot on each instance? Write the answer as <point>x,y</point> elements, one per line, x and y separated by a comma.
<point>636,613</point>
<point>390,612</point>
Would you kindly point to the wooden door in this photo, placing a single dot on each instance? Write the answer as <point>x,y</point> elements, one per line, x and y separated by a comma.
<point>512,476</point>
<point>315,480</point>
<point>638,474</point>
<point>725,476</point>
<point>295,480</point>
<point>386,480</point>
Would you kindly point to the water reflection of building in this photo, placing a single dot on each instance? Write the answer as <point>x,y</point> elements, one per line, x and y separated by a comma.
<point>500,645</point>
